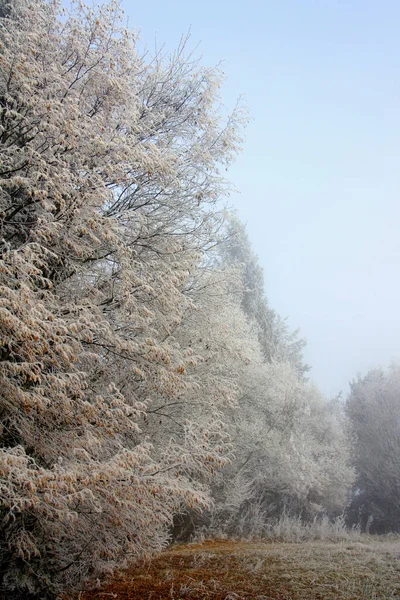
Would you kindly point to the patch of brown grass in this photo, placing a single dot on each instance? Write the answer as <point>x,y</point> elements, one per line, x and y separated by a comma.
<point>228,570</point>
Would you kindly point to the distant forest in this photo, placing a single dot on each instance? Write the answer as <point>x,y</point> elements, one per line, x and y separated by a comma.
<point>148,390</point>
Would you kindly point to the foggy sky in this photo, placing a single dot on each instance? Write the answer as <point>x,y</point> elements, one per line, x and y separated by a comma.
<point>319,175</point>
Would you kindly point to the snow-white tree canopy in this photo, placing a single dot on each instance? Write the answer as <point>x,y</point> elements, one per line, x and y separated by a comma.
<point>277,342</point>
<point>109,179</point>
<point>138,354</point>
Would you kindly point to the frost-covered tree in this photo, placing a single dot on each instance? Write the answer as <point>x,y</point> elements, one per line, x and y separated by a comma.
<point>277,342</point>
<point>108,184</point>
<point>290,447</point>
<point>292,452</point>
<point>374,410</point>
<point>137,354</point>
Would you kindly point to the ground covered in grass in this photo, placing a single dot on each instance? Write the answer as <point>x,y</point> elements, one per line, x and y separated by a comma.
<point>368,569</point>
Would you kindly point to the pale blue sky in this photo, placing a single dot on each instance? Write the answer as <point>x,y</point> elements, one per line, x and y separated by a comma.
<point>319,177</point>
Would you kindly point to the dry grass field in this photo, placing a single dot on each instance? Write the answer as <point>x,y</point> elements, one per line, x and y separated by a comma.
<point>365,569</point>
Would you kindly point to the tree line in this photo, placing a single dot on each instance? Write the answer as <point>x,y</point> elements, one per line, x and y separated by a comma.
<point>147,387</point>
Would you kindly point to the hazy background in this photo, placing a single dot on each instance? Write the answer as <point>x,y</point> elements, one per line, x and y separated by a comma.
<point>319,175</point>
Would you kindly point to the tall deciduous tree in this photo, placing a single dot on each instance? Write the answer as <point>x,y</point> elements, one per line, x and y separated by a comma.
<point>292,452</point>
<point>136,355</point>
<point>290,445</point>
<point>109,179</point>
<point>277,341</point>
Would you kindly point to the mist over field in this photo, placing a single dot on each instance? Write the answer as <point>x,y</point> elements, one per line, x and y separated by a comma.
<point>181,392</point>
